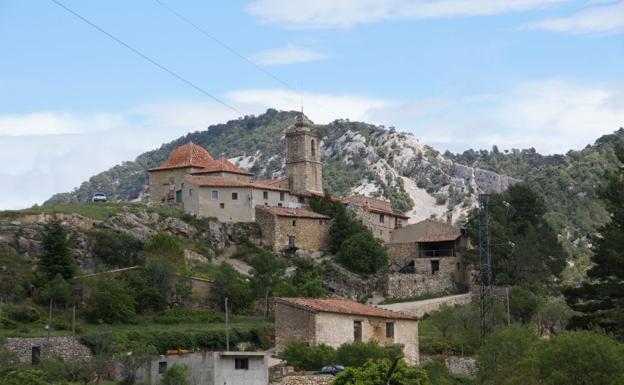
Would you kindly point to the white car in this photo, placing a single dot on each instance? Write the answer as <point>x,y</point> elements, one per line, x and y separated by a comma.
<point>99,197</point>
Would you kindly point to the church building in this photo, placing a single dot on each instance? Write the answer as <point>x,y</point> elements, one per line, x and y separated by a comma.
<point>217,188</point>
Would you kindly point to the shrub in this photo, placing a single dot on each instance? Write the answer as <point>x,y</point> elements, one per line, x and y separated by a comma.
<point>523,304</point>
<point>363,253</point>
<point>115,248</point>
<point>57,290</point>
<point>374,372</point>
<point>22,313</point>
<point>166,245</point>
<point>24,376</point>
<point>357,353</point>
<point>229,283</point>
<point>110,301</point>
<point>304,357</point>
<point>177,375</point>
<point>181,315</point>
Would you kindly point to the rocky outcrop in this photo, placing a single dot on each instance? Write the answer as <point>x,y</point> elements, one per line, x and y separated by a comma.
<point>341,282</point>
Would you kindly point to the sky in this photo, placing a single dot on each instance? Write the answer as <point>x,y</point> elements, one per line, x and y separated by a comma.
<point>458,74</point>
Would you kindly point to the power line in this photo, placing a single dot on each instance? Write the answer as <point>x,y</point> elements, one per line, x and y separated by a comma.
<point>149,59</point>
<point>235,52</point>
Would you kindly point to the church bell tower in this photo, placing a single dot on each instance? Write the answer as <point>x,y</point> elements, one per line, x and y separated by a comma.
<point>303,157</point>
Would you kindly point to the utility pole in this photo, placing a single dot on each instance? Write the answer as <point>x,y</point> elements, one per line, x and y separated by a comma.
<point>227,328</point>
<point>74,320</point>
<point>266,303</point>
<point>49,327</point>
<point>486,299</point>
<point>508,312</point>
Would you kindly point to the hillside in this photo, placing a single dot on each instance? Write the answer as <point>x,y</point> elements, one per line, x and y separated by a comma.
<point>358,157</point>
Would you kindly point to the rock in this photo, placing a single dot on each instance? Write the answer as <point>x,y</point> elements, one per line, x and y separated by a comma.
<point>194,256</point>
<point>176,226</point>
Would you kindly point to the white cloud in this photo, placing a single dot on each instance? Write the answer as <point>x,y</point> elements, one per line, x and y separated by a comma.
<point>347,13</point>
<point>597,20</point>
<point>552,116</point>
<point>47,123</point>
<point>289,54</point>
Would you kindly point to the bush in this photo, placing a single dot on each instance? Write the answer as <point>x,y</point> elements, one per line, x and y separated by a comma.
<point>374,373</point>
<point>116,248</point>
<point>110,301</point>
<point>24,376</point>
<point>523,304</point>
<point>177,375</point>
<point>57,290</point>
<point>229,283</point>
<point>165,245</point>
<point>181,315</point>
<point>357,353</point>
<point>362,253</point>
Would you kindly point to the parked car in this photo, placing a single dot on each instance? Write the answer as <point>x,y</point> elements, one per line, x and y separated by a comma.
<point>99,197</point>
<point>332,369</point>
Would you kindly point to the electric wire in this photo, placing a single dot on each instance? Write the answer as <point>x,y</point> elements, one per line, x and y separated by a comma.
<point>149,59</point>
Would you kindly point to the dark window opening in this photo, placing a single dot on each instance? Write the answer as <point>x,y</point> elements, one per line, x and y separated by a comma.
<point>234,196</point>
<point>435,267</point>
<point>382,218</point>
<point>313,148</point>
<point>35,355</point>
<point>294,222</point>
<point>410,268</point>
<point>458,266</point>
<point>280,205</point>
<point>389,329</point>
<point>282,196</point>
<point>357,331</point>
<point>241,363</point>
<point>222,205</point>
<point>291,242</point>
<point>215,195</point>
<point>162,367</point>
<point>301,200</point>
<point>265,195</point>
<point>178,196</point>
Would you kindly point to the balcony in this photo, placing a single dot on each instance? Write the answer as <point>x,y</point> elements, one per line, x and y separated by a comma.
<point>436,253</point>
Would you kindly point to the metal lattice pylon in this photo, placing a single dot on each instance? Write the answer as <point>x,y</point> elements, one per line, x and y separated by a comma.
<point>486,298</point>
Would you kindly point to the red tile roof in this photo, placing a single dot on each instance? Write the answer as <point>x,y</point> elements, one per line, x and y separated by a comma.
<point>188,155</point>
<point>373,205</point>
<point>342,306</point>
<point>387,212</point>
<point>292,212</point>
<point>222,165</point>
<point>230,182</point>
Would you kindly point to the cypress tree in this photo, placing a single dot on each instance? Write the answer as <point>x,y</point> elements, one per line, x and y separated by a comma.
<point>57,257</point>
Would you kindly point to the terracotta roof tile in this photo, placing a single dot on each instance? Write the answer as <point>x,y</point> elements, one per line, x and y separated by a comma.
<point>343,306</point>
<point>387,212</point>
<point>292,212</point>
<point>187,155</point>
<point>229,182</point>
<point>222,165</point>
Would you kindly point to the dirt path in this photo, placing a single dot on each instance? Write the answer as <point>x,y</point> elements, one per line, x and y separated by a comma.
<point>240,266</point>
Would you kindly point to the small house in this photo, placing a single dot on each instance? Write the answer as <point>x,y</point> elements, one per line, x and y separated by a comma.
<point>334,322</point>
<point>290,228</point>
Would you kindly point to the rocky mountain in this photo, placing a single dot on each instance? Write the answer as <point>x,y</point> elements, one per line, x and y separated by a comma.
<point>358,158</point>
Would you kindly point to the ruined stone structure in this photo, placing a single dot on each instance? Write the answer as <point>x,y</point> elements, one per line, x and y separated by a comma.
<point>426,257</point>
<point>307,379</point>
<point>377,215</point>
<point>337,321</point>
<point>293,228</point>
<point>32,350</point>
<point>209,368</point>
<point>303,158</point>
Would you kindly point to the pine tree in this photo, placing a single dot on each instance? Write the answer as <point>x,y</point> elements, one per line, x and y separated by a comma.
<point>601,300</point>
<point>57,257</point>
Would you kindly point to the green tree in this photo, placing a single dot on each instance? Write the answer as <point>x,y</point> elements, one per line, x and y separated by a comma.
<point>268,273</point>
<point>523,304</point>
<point>553,315</point>
<point>445,318</point>
<point>178,374</point>
<point>305,282</point>
<point>134,359</point>
<point>57,290</point>
<point>375,372</point>
<point>570,358</point>
<point>600,301</point>
<point>363,253</point>
<point>527,249</point>
<point>56,257</point>
<point>503,348</point>
<point>110,302</point>
<point>165,245</point>
<point>229,283</point>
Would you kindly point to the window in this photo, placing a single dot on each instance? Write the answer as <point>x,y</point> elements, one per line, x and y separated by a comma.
<point>435,267</point>
<point>178,196</point>
<point>357,331</point>
<point>182,184</point>
<point>265,195</point>
<point>282,195</point>
<point>301,200</point>
<point>279,205</point>
<point>294,222</point>
<point>215,195</point>
<point>321,222</point>
<point>458,266</point>
<point>241,363</point>
<point>291,242</point>
<point>162,367</point>
<point>222,205</point>
<point>312,148</point>
<point>382,218</point>
<point>35,355</point>
<point>389,329</point>
<point>234,196</point>
<point>190,192</point>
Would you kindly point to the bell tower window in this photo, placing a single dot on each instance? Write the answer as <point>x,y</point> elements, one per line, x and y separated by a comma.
<point>312,148</point>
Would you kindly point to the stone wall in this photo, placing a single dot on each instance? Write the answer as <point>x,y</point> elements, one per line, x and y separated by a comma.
<point>310,234</point>
<point>293,324</point>
<point>309,379</point>
<point>67,348</point>
<point>461,365</point>
<point>423,281</point>
<point>420,308</point>
<point>343,283</point>
<point>165,182</point>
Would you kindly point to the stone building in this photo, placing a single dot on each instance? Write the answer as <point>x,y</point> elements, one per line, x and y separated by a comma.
<point>33,350</point>
<point>209,368</point>
<point>337,321</point>
<point>286,228</point>
<point>377,215</point>
<point>426,257</point>
<point>303,158</point>
<point>203,186</point>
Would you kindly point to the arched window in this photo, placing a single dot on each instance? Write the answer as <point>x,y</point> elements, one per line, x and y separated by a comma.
<point>313,148</point>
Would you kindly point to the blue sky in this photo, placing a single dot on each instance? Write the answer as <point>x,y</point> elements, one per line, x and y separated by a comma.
<point>458,74</point>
